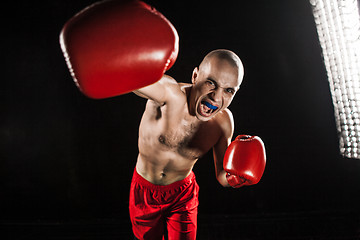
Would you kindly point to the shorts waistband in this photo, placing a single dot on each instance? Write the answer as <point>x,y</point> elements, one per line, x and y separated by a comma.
<point>145,183</point>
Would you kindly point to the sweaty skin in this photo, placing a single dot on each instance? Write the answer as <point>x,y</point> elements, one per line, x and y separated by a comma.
<point>182,122</point>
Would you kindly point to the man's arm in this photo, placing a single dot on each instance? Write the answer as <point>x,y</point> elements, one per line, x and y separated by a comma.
<point>226,122</point>
<point>161,91</point>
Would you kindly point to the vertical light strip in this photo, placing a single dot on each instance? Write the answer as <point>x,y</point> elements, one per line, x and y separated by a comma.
<point>338,27</point>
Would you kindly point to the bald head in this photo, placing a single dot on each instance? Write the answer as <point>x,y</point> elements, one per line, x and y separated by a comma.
<point>223,55</point>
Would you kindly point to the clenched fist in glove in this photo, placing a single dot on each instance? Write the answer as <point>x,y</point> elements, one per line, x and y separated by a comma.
<point>244,161</point>
<point>115,47</point>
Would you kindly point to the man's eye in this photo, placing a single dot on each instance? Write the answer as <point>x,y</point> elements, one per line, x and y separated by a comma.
<point>230,90</point>
<point>210,83</point>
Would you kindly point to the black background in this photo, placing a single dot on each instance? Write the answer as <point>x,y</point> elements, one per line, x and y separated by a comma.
<point>65,157</point>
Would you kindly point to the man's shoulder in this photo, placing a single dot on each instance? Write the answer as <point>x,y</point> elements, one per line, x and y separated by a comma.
<point>171,83</point>
<point>180,86</point>
<point>224,116</point>
<point>175,91</point>
<point>225,120</point>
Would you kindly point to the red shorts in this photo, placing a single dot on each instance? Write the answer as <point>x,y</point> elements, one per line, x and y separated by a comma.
<point>164,212</point>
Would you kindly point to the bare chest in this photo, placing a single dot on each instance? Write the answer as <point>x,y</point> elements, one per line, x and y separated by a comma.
<point>184,139</point>
<point>177,135</point>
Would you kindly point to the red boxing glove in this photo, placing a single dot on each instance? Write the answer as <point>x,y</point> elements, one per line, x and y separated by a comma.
<point>115,47</point>
<point>244,161</point>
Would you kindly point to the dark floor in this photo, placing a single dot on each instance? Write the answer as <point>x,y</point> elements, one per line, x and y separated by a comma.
<point>307,225</point>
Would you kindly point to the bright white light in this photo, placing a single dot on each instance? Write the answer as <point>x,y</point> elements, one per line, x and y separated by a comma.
<point>338,27</point>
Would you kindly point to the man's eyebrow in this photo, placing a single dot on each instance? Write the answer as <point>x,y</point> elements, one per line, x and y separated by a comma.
<point>216,83</point>
<point>213,80</point>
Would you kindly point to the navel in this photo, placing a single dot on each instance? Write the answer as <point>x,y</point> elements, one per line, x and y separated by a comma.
<point>162,139</point>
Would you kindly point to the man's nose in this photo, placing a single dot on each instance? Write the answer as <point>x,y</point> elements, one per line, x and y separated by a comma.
<point>216,95</point>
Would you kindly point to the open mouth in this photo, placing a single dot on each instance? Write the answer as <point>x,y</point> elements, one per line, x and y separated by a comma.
<point>206,108</point>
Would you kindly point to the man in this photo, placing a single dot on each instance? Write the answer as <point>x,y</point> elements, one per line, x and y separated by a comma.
<point>181,123</point>
<point>116,47</point>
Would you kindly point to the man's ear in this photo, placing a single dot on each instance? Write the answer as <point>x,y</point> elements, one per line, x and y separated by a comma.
<point>194,75</point>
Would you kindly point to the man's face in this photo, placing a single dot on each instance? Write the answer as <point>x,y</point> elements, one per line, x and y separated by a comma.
<point>215,84</point>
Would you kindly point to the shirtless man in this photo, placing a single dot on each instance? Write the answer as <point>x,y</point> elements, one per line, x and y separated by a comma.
<point>181,122</point>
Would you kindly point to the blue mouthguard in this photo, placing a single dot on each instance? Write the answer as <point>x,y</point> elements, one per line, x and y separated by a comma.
<point>210,106</point>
